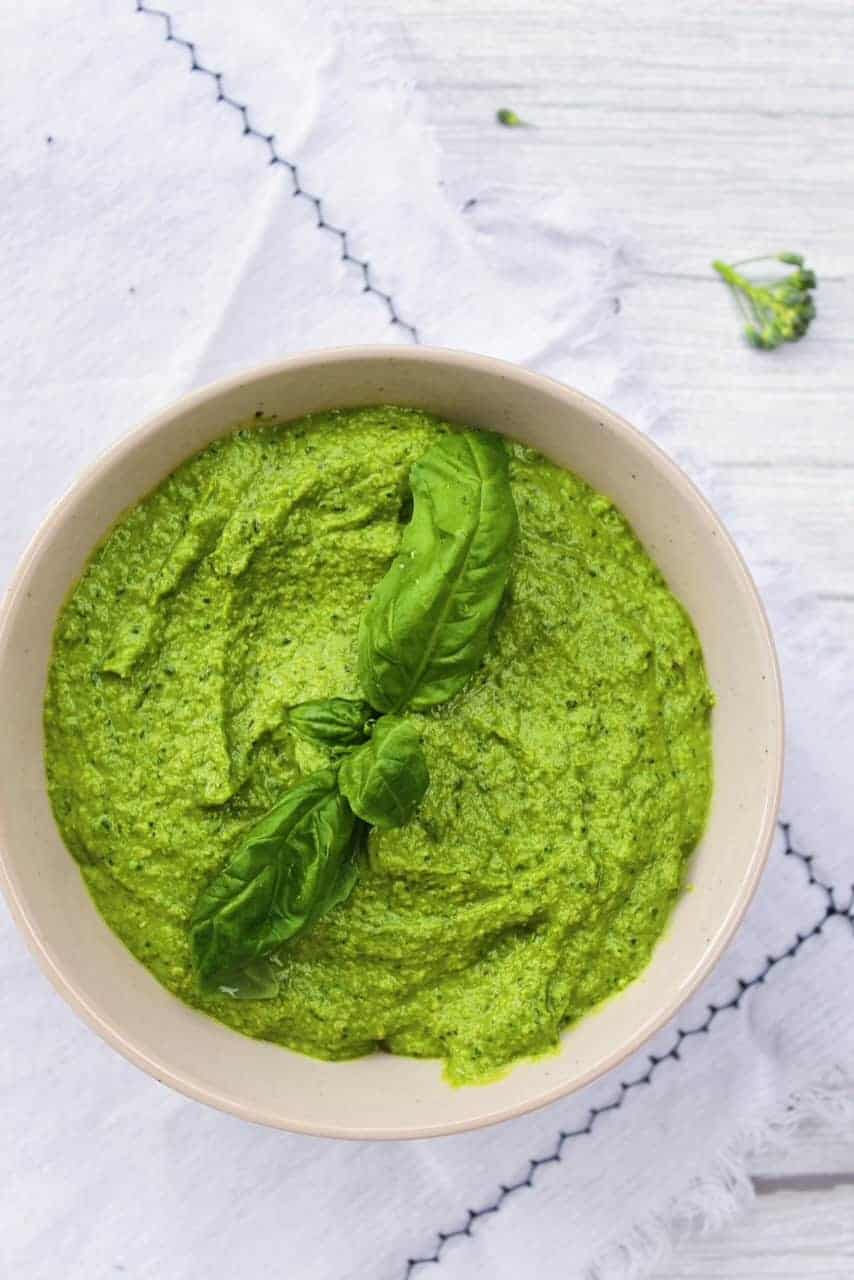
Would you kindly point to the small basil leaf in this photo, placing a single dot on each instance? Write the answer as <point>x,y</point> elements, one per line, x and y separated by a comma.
<point>333,722</point>
<point>427,625</point>
<point>385,780</point>
<point>288,870</point>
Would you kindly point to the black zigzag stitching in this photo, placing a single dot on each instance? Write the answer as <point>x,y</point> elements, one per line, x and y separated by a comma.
<point>275,157</point>
<point>830,910</point>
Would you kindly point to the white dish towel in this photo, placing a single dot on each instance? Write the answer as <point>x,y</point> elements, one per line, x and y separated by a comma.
<point>155,236</point>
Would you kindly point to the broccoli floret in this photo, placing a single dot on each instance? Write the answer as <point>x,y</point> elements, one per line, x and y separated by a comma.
<point>778,311</point>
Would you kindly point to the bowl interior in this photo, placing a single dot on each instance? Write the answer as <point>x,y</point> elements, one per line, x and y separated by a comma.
<point>385,1096</point>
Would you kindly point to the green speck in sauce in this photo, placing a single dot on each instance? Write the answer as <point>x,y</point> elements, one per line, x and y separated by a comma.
<point>569,781</point>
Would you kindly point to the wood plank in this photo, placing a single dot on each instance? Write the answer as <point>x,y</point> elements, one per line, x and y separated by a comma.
<point>739,405</point>
<point>786,1235</point>
<point>802,515</point>
<point>817,1151</point>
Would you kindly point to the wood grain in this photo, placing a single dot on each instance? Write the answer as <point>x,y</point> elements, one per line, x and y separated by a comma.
<point>787,1235</point>
<point>818,1152</point>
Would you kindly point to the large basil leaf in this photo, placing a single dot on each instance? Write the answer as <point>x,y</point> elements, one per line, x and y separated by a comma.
<point>292,867</point>
<point>426,627</point>
<point>385,780</point>
<point>332,722</point>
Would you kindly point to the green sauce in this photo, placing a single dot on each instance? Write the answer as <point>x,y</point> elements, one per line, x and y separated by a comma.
<point>569,781</point>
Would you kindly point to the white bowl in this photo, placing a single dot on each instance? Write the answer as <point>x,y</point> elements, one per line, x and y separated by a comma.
<point>384,1096</point>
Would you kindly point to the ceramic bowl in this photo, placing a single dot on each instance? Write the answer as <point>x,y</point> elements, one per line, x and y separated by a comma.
<point>383,1096</point>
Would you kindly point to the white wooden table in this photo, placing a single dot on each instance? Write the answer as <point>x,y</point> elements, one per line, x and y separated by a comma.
<point>717,130</point>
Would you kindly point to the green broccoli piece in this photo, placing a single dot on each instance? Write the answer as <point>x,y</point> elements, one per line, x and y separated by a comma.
<point>775,312</point>
<point>509,118</point>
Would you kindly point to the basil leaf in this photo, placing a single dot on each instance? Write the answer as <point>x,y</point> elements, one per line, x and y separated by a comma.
<point>385,780</point>
<point>292,867</point>
<point>426,627</point>
<point>333,722</point>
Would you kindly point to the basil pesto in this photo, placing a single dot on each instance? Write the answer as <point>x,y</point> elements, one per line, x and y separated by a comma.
<point>350,773</point>
<point>438,601</point>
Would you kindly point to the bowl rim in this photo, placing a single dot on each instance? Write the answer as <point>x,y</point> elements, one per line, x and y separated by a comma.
<point>88,477</point>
